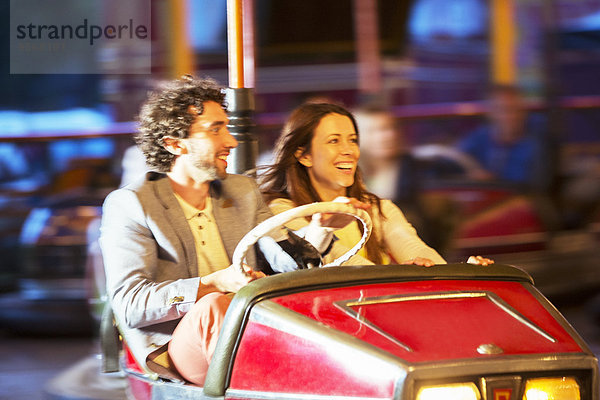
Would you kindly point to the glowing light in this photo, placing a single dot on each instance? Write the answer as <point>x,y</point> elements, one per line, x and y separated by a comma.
<point>456,391</point>
<point>536,394</point>
<point>564,388</point>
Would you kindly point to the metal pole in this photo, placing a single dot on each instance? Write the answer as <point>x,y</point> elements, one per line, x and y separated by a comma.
<point>248,32</point>
<point>551,88</point>
<point>235,43</point>
<point>504,67</point>
<point>182,57</point>
<point>367,47</point>
<point>240,99</point>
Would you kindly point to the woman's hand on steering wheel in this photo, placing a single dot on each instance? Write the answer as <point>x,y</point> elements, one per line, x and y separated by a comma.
<point>355,209</point>
<point>338,221</point>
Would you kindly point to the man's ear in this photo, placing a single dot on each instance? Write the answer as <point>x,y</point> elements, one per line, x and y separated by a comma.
<point>174,145</point>
<point>192,110</point>
<point>303,157</point>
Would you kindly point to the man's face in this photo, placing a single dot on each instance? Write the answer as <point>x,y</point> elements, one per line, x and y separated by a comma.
<point>208,144</point>
<point>508,113</point>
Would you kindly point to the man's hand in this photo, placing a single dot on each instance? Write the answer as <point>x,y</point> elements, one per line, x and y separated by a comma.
<point>422,261</point>
<point>228,280</point>
<point>338,221</point>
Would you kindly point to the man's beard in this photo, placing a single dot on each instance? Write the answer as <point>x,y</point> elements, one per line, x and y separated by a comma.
<point>202,171</point>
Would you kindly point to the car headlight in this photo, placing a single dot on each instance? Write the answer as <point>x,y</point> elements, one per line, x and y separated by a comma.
<point>454,391</point>
<point>564,388</point>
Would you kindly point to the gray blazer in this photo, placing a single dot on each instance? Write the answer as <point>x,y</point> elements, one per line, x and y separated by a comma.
<point>150,256</point>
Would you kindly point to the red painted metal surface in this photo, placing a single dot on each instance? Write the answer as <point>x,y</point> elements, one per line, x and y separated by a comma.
<point>442,329</point>
<point>514,216</point>
<point>436,330</point>
<point>492,221</point>
<point>273,361</point>
<point>139,389</point>
<point>130,361</point>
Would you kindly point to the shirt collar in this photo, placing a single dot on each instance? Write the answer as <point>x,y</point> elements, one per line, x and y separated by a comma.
<point>190,211</point>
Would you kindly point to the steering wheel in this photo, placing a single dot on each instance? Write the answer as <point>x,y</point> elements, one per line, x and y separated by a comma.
<point>307,210</point>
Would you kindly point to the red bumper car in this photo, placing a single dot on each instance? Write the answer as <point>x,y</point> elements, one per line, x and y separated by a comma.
<point>451,332</point>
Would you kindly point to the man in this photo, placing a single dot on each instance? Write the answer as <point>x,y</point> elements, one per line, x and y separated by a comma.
<point>167,239</point>
<point>512,147</point>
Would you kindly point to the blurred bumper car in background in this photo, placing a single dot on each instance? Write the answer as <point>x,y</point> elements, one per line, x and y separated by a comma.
<point>53,285</point>
<point>507,222</point>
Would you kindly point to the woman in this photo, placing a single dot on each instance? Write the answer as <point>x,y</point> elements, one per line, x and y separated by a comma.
<point>316,159</point>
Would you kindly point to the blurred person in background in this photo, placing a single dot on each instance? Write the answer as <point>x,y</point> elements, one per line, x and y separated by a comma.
<point>388,167</point>
<point>511,146</point>
<point>316,159</point>
<point>133,165</point>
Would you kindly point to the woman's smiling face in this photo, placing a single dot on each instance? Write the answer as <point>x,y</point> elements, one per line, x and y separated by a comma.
<point>333,156</point>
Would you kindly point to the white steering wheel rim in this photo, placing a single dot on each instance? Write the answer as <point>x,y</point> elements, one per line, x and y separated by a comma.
<point>279,220</point>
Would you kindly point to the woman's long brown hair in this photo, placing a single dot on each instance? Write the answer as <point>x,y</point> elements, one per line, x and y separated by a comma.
<point>288,178</point>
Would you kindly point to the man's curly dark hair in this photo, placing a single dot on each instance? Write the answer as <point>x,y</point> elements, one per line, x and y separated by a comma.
<point>165,113</point>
